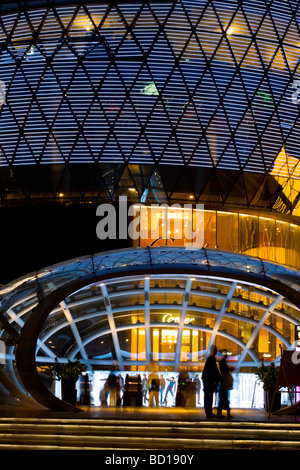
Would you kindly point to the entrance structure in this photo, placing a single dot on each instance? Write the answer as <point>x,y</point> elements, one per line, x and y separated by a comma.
<point>165,102</point>
<point>132,307</point>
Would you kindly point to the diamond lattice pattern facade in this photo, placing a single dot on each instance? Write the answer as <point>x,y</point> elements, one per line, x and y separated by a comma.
<point>206,87</point>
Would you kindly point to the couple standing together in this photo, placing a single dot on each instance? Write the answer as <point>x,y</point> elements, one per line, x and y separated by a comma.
<point>212,377</point>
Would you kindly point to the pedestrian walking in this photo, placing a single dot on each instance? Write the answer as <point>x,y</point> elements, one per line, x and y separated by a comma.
<point>145,389</point>
<point>153,385</point>
<point>226,383</point>
<point>162,384</point>
<point>198,388</point>
<point>113,387</point>
<point>210,379</point>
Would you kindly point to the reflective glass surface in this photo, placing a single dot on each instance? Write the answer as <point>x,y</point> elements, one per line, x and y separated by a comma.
<point>122,88</point>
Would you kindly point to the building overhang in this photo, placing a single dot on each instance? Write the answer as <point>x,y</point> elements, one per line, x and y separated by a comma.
<point>47,291</point>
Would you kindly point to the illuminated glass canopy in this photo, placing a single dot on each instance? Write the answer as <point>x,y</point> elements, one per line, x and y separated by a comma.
<point>131,89</point>
<point>129,308</point>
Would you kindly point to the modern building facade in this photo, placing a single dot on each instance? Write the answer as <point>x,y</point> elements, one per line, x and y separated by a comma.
<point>188,109</point>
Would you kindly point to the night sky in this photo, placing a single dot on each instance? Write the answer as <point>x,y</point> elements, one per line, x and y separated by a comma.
<point>37,236</point>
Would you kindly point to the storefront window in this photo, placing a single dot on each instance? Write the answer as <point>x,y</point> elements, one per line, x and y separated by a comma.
<point>267,248</point>
<point>294,245</point>
<point>269,238</point>
<point>227,231</point>
<point>210,228</point>
<point>138,349</point>
<point>282,242</point>
<point>248,234</point>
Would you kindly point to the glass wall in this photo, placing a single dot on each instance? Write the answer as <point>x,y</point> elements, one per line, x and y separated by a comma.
<point>246,392</point>
<point>266,237</point>
<point>243,311</point>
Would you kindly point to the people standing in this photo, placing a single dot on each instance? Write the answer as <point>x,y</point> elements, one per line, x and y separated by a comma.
<point>120,389</point>
<point>145,389</point>
<point>198,388</point>
<point>153,386</point>
<point>104,394</point>
<point>226,382</point>
<point>113,387</point>
<point>210,379</point>
<point>162,384</point>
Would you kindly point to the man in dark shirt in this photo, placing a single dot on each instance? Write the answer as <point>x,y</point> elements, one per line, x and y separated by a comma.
<point>210,379</point>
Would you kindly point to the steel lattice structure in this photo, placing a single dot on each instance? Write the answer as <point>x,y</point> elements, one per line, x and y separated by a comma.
<point>87,309</point>
<point>168,98</point>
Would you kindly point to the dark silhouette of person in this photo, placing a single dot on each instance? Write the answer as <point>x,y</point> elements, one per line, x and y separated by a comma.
<point>226,382</point>
<point>113,386</point>
<point>210,379</point>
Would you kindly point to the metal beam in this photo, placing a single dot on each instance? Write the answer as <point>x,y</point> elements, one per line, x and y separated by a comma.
<point>257,328</point>
<point>185,302</point>
<point>221,315</point>
<point>40,344</point>
<point>76,334</point>
<point>232,338</point>
<point>131,308</point>
<point>112,325</point>
<point>147,318</point>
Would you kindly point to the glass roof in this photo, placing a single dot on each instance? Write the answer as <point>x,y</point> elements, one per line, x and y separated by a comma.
<point>124,292</point>
<point>150,258</point>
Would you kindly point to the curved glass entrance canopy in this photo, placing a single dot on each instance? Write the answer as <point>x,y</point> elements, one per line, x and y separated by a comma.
<point>168,305</point>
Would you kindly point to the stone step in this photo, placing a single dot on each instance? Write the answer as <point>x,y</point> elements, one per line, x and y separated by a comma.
<point>98,434</point>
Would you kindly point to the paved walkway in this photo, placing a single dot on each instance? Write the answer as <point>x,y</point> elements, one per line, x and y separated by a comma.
<point>147,413</point>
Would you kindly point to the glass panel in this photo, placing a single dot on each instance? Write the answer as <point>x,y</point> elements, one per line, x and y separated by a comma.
<point>126,345</point>
<point>155,343</point>
<point>128,317</point>
<point>227,231</point>
<point>100,348</point>
<point>295,243</point>
<point>248,234</point>
<point>210,229</point>
<point>138,344</point>
<point>186,346</point>
<point>267,238</point>
<point>224,343</point>
<point>282,242</point>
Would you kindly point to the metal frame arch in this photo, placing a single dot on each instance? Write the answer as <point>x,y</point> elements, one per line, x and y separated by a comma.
<point>26,347</point>
<point>163,325</point>
<point>130,308</point>
<point>18,317</point>
<point>166,290</point>
<point>164,307</point>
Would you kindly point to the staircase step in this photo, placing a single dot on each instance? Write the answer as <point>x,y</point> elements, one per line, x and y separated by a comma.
<point>92,434</point>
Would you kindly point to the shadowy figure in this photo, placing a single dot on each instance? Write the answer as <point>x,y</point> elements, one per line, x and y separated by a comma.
<point>162,384</point>
<point>226,382</point>
<point>210,379</point>
<point>198,389</point>
<point>145,389</point>
<point>113,386</point>
<point>153,386</point>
